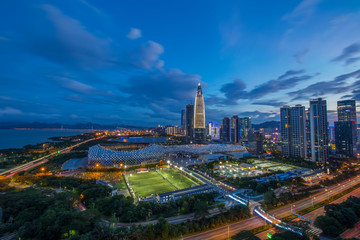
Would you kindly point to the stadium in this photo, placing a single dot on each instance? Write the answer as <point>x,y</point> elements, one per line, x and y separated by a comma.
<point>107,156</point>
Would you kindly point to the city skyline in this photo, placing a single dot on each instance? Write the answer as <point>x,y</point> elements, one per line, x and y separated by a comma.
<point>101,62</point>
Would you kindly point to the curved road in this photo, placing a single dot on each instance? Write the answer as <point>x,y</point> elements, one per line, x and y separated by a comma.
<point>253,222</point>
<point>39,161</point>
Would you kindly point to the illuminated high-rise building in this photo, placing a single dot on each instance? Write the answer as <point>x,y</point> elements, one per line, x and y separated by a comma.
<point>293,131</point>
<point>346,129</point>
<point>319,131</point>
<point>346,110</point>
<point>245,126</point>
<point>225,133</point>
<point>189,123</point>
<point>234,129</point>
<point>199,116</point>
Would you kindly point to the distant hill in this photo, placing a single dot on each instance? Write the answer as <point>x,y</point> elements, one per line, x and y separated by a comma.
<point>40,125</point>
<point>269,124</point>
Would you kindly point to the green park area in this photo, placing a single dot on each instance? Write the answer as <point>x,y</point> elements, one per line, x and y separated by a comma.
<point>149,183</point>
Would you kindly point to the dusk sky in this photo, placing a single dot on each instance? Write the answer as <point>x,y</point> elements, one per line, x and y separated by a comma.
<point>139,62</point>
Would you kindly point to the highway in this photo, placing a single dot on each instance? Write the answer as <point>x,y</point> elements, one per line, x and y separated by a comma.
<point>39,161</point>
<point>318,212</point>
<point>253,222</point>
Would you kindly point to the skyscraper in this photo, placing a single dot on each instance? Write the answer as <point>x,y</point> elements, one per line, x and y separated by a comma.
<point>199,116</point>
<point>225,133</point>
<point>293,131</point>
<point>245,126</point>
<point>346,110</point>
<point>319,130</point>
<point>346,129</point>
<point>234,129</point>
<point>182,118</point>
<point>189,123</point>
<point>182,121</point>
<point>345,138</point>
<point>308,130</point>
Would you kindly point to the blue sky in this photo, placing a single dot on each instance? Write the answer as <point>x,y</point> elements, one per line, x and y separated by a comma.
<point>139,62</point>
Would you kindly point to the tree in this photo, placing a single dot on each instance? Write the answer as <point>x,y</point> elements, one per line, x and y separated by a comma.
<point>200,209</point>
<point>287,236</point>
<point>262,187</point>
<point>330,226</point>
<point>150,232</point>
<point>270,198</point>
<point>245,235</point>
<point>163,227</point>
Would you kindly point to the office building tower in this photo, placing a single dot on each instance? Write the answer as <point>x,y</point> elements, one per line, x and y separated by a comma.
<point>214,130</point>
<point>199,116</point>
<point>346,129</point>
<point>225,130</point>
<point>346,110</point>
<point>293,131</point>
<point>182,118</point>
<point>256,142</point>
<point>345,138</point>
<point>234,129</point>
<point>189,123</point>
<point>319,131</point>
<point>245,126</point>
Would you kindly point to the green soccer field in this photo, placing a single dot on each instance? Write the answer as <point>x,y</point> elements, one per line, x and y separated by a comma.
<point>149,183</point>
<point>179,180</point>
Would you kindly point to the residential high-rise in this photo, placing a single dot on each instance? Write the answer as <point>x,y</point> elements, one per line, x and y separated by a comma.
<point>319,130</point>
<point>245,126</point>
<point>285,130</point>
<point>189,123</point>
<point>293,131</point>
<point>346,129</point>
<point>199,116</point>
<point>346,110</point>
<point>234,129</point>
<point>308,131</point>
<point>225,132</point>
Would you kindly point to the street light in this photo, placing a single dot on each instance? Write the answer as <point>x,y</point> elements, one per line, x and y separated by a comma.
<point>313,201</point>
<point>291,208</point>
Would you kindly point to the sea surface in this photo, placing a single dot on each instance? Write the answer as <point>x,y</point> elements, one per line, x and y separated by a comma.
<point>14,138</point>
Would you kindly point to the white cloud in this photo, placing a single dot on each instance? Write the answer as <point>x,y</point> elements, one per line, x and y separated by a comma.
<point>302,11</point>
<point>134,33</point>
<point>10,111</point>
<point>148,56</point>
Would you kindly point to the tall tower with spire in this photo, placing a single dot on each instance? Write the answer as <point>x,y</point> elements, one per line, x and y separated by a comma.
<point>199,116</point>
